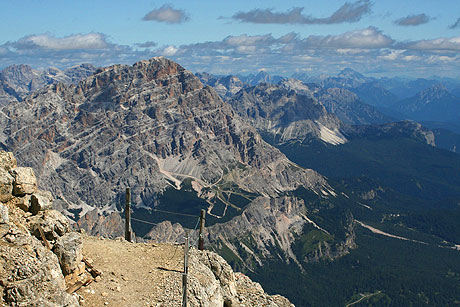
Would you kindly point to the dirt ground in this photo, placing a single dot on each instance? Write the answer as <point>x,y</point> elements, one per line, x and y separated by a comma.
<point>133,274</point>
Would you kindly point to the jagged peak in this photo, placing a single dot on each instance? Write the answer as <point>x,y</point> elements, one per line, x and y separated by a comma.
<point>435,92</point>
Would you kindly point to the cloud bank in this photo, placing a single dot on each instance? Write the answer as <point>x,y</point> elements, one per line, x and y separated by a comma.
<point>349,12</point>
<point>412,20</point>
<point>367,49</point>
<point>71,42</point>
<point>166,14</point>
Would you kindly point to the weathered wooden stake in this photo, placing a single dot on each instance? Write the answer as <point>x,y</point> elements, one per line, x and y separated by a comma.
<point>202,221</point>
<point>128,216</point>
<point>184,275</point>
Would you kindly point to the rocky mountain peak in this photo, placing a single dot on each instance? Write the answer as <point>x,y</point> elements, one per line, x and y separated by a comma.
<point>14,71</point>
<point>150,126</point>
<point>434,92</point>
<point>348,72</point>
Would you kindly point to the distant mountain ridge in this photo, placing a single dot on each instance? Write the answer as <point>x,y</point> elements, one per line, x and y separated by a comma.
<point>17,81</point>
<point>433,104</point>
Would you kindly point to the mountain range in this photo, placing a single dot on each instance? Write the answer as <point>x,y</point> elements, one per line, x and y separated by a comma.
<point>308,189</point>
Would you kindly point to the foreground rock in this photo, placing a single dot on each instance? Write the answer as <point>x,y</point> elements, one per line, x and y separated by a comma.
<point>30,273</point>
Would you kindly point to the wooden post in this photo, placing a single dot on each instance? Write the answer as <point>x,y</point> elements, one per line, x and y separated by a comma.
<point>128,216</point>
<point>184,275</point>
<point>202,221</point>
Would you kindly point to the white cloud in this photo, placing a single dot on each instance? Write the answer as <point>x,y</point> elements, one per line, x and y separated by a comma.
<point>368,38</point>
<point>169,51</point>
<point>434,44</point>
<point>71,42</point>
<point>246,40</point>
<point>365,50</point>
<point>167,14</point>
<point>392,55</point>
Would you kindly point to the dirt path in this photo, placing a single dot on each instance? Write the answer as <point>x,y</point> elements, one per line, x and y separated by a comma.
<point>151,277</point>
<point>364,296</point>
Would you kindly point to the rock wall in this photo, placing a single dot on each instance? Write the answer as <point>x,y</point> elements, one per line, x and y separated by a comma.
<point>31,274</point>
<point>213,283</point>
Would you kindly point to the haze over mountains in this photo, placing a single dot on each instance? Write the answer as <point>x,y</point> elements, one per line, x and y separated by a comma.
<point>300,179</point>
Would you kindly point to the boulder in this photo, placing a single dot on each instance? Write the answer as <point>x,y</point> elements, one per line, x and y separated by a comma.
<point>53,223</point>
<point>68,249</point>
<point>7,160</point>
<point>22,203</point>
<point>41,201</point>
<point>6,186</point>
<point>4,214</point>
<point>24,181</point>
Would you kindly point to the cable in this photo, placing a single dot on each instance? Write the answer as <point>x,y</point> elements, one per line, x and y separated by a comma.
<point>170,212</point>
<point>134,219</point>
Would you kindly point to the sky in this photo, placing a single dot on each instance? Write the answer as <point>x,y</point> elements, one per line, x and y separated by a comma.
<point>407,38</point>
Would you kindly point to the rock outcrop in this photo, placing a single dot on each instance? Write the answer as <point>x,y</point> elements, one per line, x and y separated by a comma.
<point>213,283</point>
<point>30,273</point>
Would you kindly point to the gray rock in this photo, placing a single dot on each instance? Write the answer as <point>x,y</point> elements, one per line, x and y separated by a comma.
<point>53,223</point>
<point>30,273</point>
<point>68,249</point>
<point>212,282</point>
<point>24,181</point>
<point>6,186</point>
<point>41,201</point>
<point>4,218</point>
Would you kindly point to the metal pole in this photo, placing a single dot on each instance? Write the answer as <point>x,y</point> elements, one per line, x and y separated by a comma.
<point>184,275</point>
<point>202,221</point>
<point>128,216</point>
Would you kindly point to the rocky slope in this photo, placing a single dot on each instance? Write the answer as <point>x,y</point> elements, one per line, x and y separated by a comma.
<point>344,104</point>
<point>286,115</point>
<point>30,273</point>
<point>148,126</point>
<point>17,81</point>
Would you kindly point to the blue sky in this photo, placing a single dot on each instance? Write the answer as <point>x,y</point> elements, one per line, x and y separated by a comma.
<point>417,38</point>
